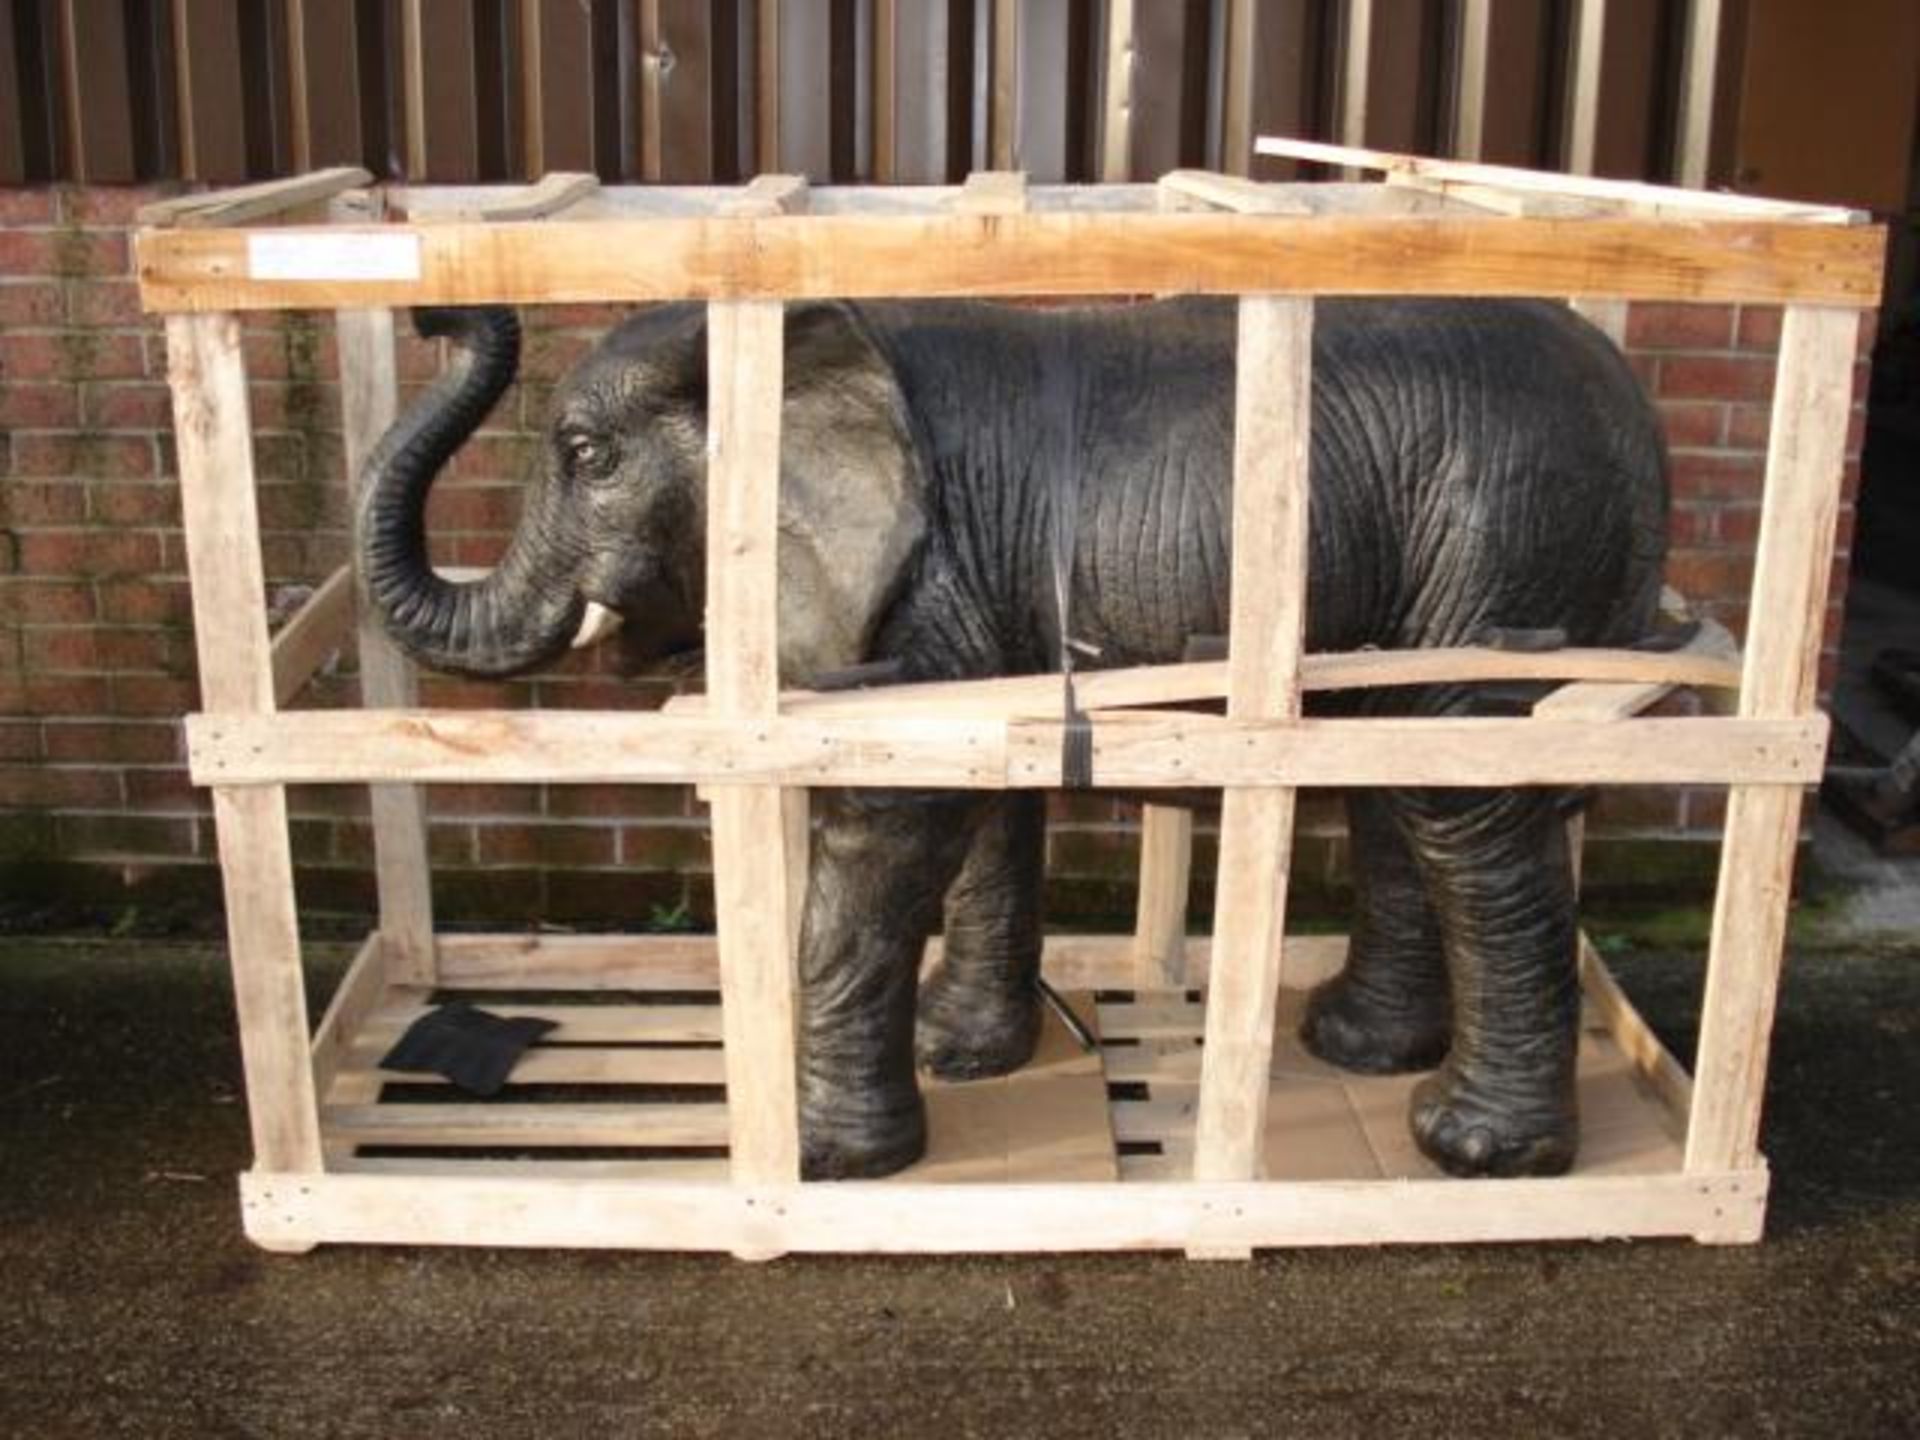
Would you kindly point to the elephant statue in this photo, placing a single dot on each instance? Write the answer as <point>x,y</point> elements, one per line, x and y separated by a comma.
<point>1476,467</point>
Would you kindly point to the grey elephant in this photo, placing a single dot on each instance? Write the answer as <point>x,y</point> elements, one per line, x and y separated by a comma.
<point>1475,467</point>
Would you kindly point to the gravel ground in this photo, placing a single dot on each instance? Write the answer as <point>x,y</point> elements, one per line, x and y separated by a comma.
<point>132,1304</point>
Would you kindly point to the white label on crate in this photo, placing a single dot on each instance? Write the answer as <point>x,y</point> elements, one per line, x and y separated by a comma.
<point>333,257</point>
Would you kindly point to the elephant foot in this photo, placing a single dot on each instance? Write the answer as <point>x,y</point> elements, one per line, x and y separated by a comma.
<point>970,1033</point>
<point>1468,1132</point>
<point>1344,1027</point>
<point>840,1143</point>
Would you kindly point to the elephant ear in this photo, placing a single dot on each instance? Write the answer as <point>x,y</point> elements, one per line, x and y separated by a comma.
<point>851,497</point>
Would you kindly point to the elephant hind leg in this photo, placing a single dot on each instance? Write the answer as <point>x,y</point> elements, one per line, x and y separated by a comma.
<point>1500,878</point>
<point>980,1009</point>
<point>1388,1010</point>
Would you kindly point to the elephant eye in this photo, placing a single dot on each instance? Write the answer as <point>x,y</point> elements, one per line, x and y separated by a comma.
<point>587,454</point>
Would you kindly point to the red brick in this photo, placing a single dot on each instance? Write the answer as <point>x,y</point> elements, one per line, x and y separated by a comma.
<point>128,406</point>
<point>167,789</point>
<point>153,504</point>
<point>493,509</point>
<point>1717,476</point>
<point>1705,575</point>
<point>1658,326</point>
<point>157,600</point>
<point>1715,377</point>
<point>27,252</point>
<point>1737,525</point>
<point>82,454</point>
<point>547,844</point>
<point>504,801</point>
<point>1748,427</point>
<point>114,742</point>
<point>36,406</point>
<point>1689,525</point>
<point>1693,424</point>
<point>31,304</point>
<point>619,802</point>
<point>22,206</point>
<point>45,602</point>
<point>105,302</point>
<point>127,834</point>
<point>89,552</point>
<point>48,787</point>
<point>42,502</point>
<point>73,355</point>
<point>278,405</point>
<point>154,695</point>
<point>114,205</point>
<point>1759,328</point>
<point>21,739</point>
<point>684,849</point>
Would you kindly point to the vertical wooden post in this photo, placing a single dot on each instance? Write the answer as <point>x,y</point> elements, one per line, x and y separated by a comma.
<point>1160,915</point>
<point>1265,638</point>
<point>755,872</point>
<point>1805,453</point>
<point>368,401</point>
<point>221,519</point>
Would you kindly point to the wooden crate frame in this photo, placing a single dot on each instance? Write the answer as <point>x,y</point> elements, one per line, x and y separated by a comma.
<point>1432,229</point>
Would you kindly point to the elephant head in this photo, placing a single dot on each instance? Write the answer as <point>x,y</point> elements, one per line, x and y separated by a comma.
<point>612,528</point>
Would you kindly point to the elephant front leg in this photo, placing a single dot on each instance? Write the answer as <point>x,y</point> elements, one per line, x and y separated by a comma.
<point>1387,1010</point>
<point>980,1010</point>
<point>881,862</point>
<point>1501,883</point>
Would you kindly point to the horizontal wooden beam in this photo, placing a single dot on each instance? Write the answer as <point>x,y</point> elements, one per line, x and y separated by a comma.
<point>1045,252</point>
<point>292,1210</point>
<point>1034,696</point>
<point>1130,751</point>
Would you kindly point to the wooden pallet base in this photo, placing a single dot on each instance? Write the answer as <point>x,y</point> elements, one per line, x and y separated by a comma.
<point>613,1131</point>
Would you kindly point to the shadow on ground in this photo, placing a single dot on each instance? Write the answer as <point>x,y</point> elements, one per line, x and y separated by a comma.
<point>133,1304</point>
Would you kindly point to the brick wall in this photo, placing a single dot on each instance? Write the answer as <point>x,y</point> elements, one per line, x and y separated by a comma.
<point>96,652</point>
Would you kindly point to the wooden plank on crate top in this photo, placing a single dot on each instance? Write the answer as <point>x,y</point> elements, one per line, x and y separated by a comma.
<point>244,204</point>
<point>992,192</point>
<point>767,195</point>
<point>849,256</point>
<point>1670,199</point>
<point>548,197</point>
<point>1204,189</point>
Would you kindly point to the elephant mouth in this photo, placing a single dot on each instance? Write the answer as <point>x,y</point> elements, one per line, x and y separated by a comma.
<point>596,625</point>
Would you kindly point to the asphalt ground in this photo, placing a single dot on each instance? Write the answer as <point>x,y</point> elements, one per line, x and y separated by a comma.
<point>131,1304</point>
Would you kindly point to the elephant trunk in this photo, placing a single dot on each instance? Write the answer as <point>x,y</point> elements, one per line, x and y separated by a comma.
<point>523,612</point>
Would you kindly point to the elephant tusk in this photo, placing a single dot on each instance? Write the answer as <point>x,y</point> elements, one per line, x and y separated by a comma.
<point>598,623</point>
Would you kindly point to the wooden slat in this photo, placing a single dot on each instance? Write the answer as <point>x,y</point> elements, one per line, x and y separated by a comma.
<point>1585,187</point>
<point>550,195</point>
<point>1601,700</point>
<point>221,521</point>
<point>360,992</point>
<point>1206,188</point>
<point>99,95</point>
<point>438,78</point>
<point>625,1024</point>
<point>585,1065</point>
<point>1700,66</point>
<point>470,1167</point>
<point>958,1219</point>
<point>754,873</point>
<point>316,631</point>
<point>992,192</point>
<point>513,747</point>
<point>243,204</point>
<point>1655,1063</point>
<point>1607,316</point>
<point>558,73</point>
<point>1267,637</point>
<point>851,256</point>
<point>1036,696</point>
<point>1800,509</point>
<point>206,49</point>
<point>1116,126</point>
<point>324,90</point>
<point>1160,918</point>
<point>369,401</point>
<point>768,195</point>
<point>666,1126</point>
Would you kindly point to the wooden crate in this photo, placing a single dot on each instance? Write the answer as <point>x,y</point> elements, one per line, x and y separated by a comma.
<point>1219,1137</point>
